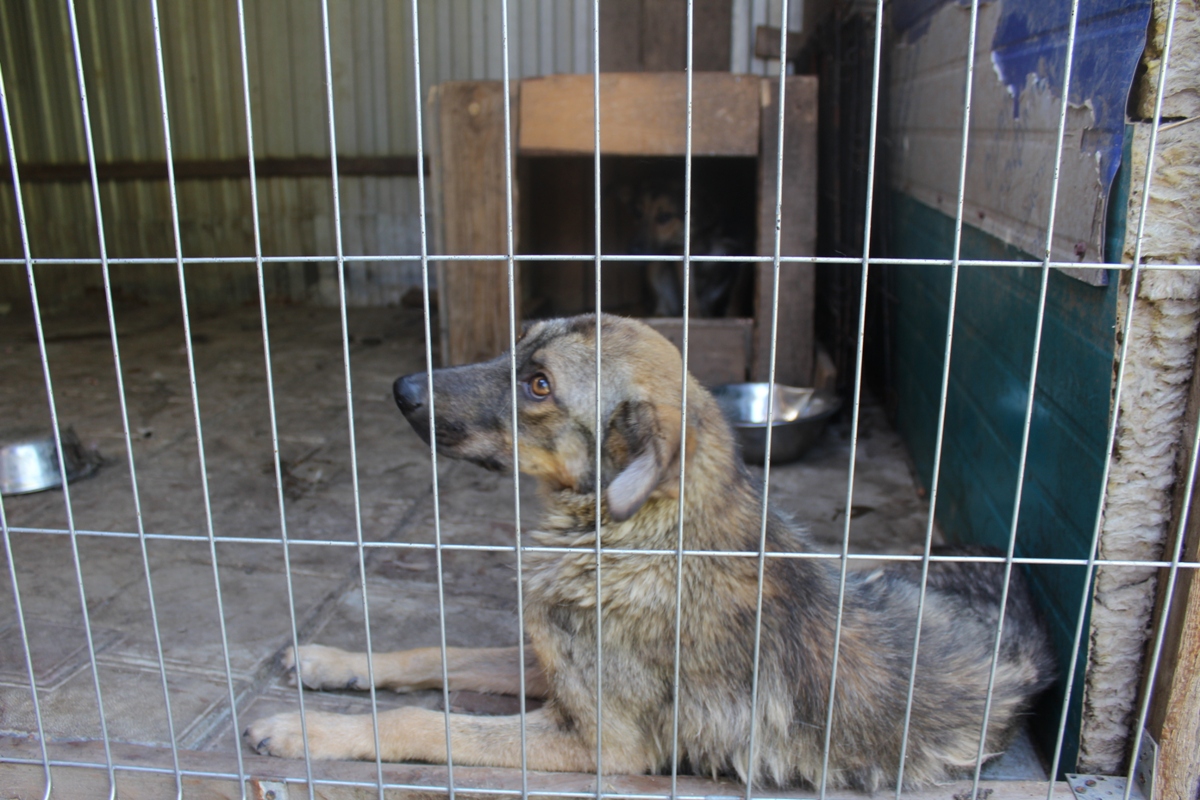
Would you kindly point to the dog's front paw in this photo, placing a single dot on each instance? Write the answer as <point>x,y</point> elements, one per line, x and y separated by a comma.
<point>329,736</point>
<point>280,735</point>
<point>321,667</point>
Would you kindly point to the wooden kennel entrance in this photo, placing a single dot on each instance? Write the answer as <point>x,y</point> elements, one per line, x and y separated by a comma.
<point>641,114</point>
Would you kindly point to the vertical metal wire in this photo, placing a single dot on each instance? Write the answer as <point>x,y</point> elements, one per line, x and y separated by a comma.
<point>762,536</point>
<point>341,275</point>
<point>858,360</point>
<point>1114,416</point>
<point>599,394</point>
<point>683,398</point>
<point>262,312</point>
<point>1177,544</point>
<point>87,625</point>
<point>10,145</point>
<point>119,374</point>
<point>37,706</point>
<point>512,378</point>
<point>1029,400</point>
<point>191,362</point>
<point>941,420</point>
<point>1148,687</point>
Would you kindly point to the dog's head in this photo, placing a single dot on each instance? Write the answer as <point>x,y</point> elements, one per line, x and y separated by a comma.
<point>556,409</point>
<point>656,213</point>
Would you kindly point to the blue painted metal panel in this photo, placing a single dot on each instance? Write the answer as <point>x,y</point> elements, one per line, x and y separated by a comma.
<point>1031,39</point>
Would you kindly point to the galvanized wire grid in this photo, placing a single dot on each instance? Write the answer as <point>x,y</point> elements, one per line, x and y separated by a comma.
<point>777,261</point>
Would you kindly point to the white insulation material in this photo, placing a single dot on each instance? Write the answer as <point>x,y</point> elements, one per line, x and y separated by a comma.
<point>1137,514</point>
<point>1182,95</point>
<point>1146,457</point>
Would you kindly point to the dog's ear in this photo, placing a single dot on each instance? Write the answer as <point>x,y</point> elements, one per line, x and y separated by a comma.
<point>643,441</point>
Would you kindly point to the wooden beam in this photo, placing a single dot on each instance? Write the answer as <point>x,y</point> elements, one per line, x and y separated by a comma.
<point>712,29</point>
<point>798,232</point>
<point>641,114</point>
<point>217,169</point>
<point>153,777</point>
<point>664,36</point>
<point>767,41</point>
<point>467,118</point>
<point>621,36</point>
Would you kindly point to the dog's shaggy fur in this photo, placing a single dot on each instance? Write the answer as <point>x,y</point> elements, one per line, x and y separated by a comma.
<point>640,446</point>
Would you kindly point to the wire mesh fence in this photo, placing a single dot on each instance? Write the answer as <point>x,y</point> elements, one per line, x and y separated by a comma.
<point>755,784</point>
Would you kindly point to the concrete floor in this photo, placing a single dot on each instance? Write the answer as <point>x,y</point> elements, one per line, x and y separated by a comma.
<point>396,503</point>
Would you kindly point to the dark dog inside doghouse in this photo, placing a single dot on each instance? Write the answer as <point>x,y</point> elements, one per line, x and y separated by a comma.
<point>652,201</point>
<point>641,213</point>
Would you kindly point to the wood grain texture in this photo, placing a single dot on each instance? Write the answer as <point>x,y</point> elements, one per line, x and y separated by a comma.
<point>798,231</point>
<point>712,44</point>
<point>664,35</point>
<point>641,114</point>
<point>621,36</point>
<point>651,35</point>
<point>469,163</point>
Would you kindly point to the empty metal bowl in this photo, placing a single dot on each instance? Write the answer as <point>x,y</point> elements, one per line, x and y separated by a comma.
<point>32,465</point>
<point>798,417</point>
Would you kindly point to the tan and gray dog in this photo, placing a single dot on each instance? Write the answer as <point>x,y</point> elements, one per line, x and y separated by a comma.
<point>640,447</point>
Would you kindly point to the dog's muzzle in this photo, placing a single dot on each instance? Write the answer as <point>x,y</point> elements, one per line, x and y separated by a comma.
<point>410,393</point>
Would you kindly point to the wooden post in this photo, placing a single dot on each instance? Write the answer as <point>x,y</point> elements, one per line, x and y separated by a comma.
<point>794,357</point>
<point>467,124</point>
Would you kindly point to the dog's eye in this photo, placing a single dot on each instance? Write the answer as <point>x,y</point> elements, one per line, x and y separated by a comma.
<point>539,386</point>
<point>664,217</point>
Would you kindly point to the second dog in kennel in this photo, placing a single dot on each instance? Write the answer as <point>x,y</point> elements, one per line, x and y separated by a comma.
<point>640,444</point>
<point>655,207</point>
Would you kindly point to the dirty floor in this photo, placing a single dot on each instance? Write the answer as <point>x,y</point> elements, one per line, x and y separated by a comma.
<point>240,585</point>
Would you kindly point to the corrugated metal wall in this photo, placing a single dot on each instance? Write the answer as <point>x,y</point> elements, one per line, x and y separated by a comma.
<point>371,45</point>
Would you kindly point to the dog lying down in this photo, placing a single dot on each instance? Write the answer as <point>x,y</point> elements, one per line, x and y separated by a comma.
<point>640,447</point>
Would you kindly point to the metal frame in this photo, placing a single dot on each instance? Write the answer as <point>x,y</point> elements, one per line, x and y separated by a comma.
<point>511,259</point>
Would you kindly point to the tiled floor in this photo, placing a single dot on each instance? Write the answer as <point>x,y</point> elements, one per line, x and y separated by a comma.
<point>395,500</point>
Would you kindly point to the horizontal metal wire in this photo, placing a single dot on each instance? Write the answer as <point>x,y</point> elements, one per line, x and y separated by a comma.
<point>616,551</point>
<point>832,260</point>
<point>416,787</point>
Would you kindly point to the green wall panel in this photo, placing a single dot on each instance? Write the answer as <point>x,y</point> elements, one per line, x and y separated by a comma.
<point>992,353</point>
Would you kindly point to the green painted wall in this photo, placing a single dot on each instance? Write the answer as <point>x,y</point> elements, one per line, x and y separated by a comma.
<point>989,383</point>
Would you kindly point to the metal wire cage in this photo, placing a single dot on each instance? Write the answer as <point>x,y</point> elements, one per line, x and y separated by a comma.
<point>320,780</point>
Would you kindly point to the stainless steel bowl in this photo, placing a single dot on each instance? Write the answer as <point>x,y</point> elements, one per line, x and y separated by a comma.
<point>798,418</point>
<point>32,465</point>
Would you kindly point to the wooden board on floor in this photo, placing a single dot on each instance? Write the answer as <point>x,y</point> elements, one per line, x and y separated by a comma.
<point>641,114</point>
<point>213,775</point>
<point>718,349</point>
<point>467,122</point>
<point>798,232</point>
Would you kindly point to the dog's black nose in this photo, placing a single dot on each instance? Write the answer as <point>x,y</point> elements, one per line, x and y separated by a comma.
<point>409,392</point>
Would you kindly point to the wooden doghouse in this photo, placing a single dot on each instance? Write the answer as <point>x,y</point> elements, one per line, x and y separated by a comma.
<point>641,114</point>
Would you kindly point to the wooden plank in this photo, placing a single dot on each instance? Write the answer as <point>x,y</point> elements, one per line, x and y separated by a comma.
<point>473,295</point>
<point>640,114</point>
<point>1174,719</point>
<point>794,357</point>
<point>264,772</point>
<point>767,42</point>
<point>712,40</point>
<point>621,36</point>
<point>664,36</point>
<point>718,349</point>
